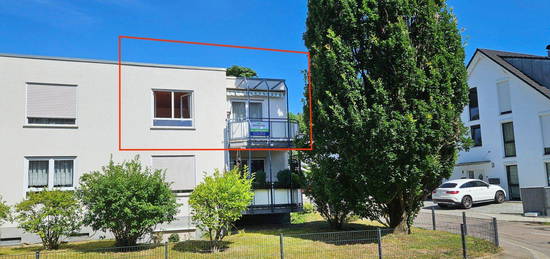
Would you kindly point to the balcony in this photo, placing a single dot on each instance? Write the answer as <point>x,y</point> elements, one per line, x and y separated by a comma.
<point>262,133</point>
<point>275,199</point>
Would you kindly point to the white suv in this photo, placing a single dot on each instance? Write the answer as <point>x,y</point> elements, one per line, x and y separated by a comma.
<point>466,192</point>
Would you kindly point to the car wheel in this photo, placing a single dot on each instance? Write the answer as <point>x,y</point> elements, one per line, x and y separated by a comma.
<point>499,197</point>
<point>443,205</point>
<point>467,202</point>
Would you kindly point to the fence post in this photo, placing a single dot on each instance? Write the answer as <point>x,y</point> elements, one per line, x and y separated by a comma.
<point>464,222</point>
<point>463,237</point>
<point>281,245</point>
<point>433,218</point>
<point>379,237</point>
<point>165,250</point>
<point>496,232</point>
<point>37,255</point>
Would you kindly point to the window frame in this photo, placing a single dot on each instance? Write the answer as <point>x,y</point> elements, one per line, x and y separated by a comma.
<point>503,82</point>
<point>504,141</point>
<point>477,126</point>
<point>247,108</point>
<point>172,91</point>
<point>470,106</point>
<point>547,167</point>
<point>545,150</point>
<point>51,172</point>
<point>27,124</point>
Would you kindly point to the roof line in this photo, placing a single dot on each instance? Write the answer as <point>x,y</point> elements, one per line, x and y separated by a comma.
<point>496,56</point>
<point>109,62</point>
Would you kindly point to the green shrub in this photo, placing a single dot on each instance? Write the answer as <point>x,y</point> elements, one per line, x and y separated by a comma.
<point>51,215</point>
<point>219,201</point>
<point>259,178</point>
<point>309,207</point>
<point>174,238</point>
<point>127,199</point>
<point>286,178</point>
<point>4,211</point>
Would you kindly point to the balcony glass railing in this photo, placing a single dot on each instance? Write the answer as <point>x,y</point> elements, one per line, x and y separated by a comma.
<point>263,129</point>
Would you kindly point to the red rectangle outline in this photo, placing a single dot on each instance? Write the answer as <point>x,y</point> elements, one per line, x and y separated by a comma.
<point>120,37</point>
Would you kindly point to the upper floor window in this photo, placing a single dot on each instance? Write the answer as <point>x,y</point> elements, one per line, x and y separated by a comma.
<point>52,104</point>
<point>473,105</point>
<point>50,172</point>
<point>476,135</point>
<point>545,123</point>
<point>509,139</point>
<point>172,108</point>
<point>239,110</point>
<point>547,173</point>
<point>504,103</point>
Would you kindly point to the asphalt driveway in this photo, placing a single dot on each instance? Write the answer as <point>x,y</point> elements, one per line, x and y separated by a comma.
<point>520,237</point>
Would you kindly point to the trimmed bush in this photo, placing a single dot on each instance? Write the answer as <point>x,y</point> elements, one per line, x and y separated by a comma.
<point>51,215</point>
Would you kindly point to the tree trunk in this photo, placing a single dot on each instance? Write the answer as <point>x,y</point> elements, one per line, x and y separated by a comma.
<point>397,214</point>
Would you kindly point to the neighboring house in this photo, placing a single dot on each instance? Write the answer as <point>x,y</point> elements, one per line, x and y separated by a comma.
<point>509,121</point>
<point>60,120</point>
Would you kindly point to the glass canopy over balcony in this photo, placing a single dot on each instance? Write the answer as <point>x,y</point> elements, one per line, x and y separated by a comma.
<point>259,114</point>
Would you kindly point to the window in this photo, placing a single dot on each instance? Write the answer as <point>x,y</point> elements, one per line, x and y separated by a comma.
<point>504,103</point>
<point>255,110</point>
<point>53,104</point>
<point>471,174</point>
<point>172,108</point>
<point>179,171</point>
<point>545,122</point>
<point>547,173</point>
<point>476,135</point>
<point>448,185</point>
<point>509,140</point>
<point>481,184</point>
<point>473,105</point>
<point>40,172</point>
<point>238,110</point>
<point>469,185</point>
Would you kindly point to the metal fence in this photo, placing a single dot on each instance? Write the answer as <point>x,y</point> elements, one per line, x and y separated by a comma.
<point>371,243</point>
<point>486,229</point>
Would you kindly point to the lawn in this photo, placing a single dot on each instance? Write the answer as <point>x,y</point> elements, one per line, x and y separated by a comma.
<point>299,242</point>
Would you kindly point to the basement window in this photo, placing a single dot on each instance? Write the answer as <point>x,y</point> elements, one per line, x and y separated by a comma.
<point>172,108</point>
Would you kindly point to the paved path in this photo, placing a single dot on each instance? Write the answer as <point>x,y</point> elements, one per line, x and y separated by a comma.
<point>507,211</point>
<point>520,237</point>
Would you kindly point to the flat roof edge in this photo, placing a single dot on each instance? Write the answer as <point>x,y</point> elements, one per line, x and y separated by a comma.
<point>110,62</point>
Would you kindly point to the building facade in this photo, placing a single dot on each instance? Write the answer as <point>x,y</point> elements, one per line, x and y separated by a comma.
<point>509,120</point>
<point>61,121</point>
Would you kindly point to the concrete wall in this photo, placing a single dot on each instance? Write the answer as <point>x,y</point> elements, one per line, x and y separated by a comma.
<point>527,107</point>
<point>94,139</point>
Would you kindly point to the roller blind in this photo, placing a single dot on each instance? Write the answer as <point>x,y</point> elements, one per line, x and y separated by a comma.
<point>180,170</point>
<point>51,101</point>
<point>504,102</point>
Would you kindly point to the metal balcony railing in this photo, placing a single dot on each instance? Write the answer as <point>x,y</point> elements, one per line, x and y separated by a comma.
<point>262,130</point>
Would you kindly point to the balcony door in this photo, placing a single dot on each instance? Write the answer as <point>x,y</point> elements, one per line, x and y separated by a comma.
<point>513,182</point>
<point>239,110</point>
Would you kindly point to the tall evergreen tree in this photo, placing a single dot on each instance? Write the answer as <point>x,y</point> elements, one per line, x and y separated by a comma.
<point>389,84</point>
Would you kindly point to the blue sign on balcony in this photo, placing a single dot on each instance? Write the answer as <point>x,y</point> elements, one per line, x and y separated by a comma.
<point>259,128</point>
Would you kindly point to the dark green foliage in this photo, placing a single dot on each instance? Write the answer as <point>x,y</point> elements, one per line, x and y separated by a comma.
<point>240,71</point>
<point>49,214</point>
<point>174,238</point>
<point>127,199</point>
<point>389,84</point>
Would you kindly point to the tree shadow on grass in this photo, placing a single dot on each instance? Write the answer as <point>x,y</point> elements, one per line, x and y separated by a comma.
<point>320,231</point>
<point>199,246</point>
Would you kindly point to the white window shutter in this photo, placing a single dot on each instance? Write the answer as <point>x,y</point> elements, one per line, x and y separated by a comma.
<point>51,101</point>
<point>179,170</point>
<point>504,102</point>
<point>545,121</point>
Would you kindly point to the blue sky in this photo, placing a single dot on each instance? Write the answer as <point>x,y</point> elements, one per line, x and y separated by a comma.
<point>89,29</point>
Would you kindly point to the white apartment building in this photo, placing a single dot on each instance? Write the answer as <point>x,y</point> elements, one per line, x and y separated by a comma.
<point>509,121</point>
<point>60,121</point>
